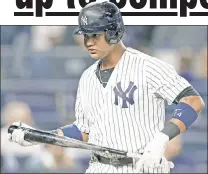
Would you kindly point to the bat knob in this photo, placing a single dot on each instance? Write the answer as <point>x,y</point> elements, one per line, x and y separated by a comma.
<point>12,128</point>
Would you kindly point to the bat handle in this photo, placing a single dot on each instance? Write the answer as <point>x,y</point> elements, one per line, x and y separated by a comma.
<point>134,155</point>
<point>12,128</point>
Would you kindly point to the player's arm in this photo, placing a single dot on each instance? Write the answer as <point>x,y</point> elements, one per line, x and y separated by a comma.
<point>73,132</point>
<point>164,82</point>
<point>79,130</point>
<point>187,110</point>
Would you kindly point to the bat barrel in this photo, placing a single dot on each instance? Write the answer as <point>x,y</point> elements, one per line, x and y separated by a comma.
<point>39,136</point>
<point>35,135</point>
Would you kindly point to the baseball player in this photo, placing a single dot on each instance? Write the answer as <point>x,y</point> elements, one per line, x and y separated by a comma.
<point>121,99</point>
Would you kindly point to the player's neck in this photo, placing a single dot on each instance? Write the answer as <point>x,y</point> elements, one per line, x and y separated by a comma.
<point>113,58</point>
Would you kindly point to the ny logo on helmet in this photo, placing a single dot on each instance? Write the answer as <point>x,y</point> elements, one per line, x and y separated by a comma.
<point>84,20</point>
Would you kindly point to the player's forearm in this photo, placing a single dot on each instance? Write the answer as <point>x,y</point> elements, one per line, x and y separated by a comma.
<point>84,135</point>
<point>196,103</point>
<point>184,117</point>
<point>71,131</point>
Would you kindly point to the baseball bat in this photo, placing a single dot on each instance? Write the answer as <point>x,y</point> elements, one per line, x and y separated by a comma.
<point>34,135</point>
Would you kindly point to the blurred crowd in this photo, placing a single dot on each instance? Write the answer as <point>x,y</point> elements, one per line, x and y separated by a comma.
<point>40,69</point>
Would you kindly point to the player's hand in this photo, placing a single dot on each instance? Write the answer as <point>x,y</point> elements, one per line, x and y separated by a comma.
<point>17,135</point>
<point>164,167</point>
<point>154,152</point>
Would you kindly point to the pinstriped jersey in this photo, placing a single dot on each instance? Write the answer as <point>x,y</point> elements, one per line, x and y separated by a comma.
<point>126,114</point>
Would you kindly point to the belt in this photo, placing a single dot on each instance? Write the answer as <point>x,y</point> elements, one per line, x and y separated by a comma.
<point>112,161</point>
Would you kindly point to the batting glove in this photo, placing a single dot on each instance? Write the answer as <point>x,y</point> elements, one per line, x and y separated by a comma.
<point>153,152</point>
<point>164,167</point>
<point>17,135</point>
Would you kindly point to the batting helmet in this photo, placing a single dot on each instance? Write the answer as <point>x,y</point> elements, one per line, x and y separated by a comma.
<point>101,17</point>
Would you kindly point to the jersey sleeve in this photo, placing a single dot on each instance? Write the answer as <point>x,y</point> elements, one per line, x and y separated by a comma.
<point>82,121</point>
<point>164,81</point>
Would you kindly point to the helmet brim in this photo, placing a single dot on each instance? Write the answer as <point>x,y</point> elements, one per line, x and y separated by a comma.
<point>78,31</point>
<point>82,31</point>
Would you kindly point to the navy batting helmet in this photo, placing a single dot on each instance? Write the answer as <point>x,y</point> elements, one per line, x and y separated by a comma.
<point>101,17</point>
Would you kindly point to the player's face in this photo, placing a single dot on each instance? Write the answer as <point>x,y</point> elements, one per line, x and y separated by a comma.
<point>96,45</point>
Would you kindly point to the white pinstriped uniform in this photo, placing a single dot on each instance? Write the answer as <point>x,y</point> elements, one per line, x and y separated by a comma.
<point>132,127</point>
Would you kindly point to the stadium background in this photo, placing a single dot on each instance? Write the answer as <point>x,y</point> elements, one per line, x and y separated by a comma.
<point>40,69</point>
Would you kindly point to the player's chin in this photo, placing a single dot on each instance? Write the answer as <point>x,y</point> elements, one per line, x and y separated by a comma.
<point>95,56</point>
